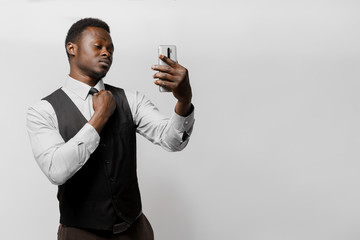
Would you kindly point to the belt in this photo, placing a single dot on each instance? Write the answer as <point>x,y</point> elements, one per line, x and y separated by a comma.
<point>116,229</point>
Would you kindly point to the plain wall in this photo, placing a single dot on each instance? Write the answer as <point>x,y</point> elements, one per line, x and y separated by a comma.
<point>275,148</point>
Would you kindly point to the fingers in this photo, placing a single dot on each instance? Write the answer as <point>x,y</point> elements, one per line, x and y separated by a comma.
<point>102,91</point>
<point>162,68</point>
<point>97,93</point>
<point>173,76</point>
<point>102,94</point>
<point>167,60</point>
<point>165,84</point>
<point>173,68</point>
<point>164,76</point>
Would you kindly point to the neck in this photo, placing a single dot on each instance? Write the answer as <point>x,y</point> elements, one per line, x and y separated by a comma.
<point>84,78</point>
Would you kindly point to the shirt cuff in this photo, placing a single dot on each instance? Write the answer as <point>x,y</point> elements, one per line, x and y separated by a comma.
<point>183,124</point>
<point>88,136</point>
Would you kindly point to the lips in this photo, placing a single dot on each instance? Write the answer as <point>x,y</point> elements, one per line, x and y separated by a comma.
<point>105,62</point>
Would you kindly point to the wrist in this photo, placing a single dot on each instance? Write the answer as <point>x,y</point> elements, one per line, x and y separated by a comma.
<point>185,99</point>
<point>183,108</point>
<point>98,120</point>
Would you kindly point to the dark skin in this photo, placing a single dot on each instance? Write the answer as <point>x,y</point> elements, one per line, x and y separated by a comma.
<point>175,78</point>
<point>91,59</point>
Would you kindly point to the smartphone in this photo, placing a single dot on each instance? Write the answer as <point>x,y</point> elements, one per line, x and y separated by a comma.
<point>170,52</point>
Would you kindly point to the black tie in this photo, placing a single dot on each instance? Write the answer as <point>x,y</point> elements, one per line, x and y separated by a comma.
<point>93,90</point>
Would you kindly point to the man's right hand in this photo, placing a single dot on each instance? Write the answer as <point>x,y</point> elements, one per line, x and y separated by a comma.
<point>104,106</point>
<point>104,102</point>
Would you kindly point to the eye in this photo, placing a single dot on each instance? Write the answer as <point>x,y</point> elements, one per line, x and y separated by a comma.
<point>97,46</point>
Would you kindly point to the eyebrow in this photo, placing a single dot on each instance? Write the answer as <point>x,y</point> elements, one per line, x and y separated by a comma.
<point>101,38</point>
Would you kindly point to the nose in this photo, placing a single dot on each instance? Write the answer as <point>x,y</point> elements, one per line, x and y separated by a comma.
<point>105,52</point>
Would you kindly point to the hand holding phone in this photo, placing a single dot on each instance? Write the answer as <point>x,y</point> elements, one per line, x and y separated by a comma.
<point>170,52</point>
<point>173,77</point>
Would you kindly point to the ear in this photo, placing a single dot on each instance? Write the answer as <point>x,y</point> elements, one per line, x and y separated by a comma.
<point>71,48</point>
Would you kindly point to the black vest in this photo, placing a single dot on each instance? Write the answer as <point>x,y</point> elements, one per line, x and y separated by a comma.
<point>105,190</point>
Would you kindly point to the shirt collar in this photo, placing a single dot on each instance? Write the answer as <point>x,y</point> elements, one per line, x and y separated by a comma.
<point>81,89</point>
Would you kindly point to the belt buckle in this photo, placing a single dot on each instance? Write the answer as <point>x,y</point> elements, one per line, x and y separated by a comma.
<point>120,227</point>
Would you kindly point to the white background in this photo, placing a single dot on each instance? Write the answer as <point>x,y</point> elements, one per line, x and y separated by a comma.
<point>275,148</point>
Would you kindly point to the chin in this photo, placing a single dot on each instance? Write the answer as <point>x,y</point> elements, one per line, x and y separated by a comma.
<point>100,74</point>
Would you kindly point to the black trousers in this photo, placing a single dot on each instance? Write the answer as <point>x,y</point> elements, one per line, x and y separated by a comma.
<point>139,230</point>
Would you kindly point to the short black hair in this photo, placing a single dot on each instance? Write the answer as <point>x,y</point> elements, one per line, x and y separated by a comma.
<point>77,28</point>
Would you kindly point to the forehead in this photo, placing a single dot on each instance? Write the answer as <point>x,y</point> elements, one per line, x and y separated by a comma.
<point>95,33</point>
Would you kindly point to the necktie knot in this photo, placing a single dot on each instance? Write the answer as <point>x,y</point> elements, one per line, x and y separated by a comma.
<point>93,90</point>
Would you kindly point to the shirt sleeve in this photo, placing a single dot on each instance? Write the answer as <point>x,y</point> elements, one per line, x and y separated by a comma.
<point>172,134</point>
<point>58,160</point>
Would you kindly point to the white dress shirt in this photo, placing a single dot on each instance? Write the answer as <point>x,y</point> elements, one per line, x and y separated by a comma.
<point>59,160</point>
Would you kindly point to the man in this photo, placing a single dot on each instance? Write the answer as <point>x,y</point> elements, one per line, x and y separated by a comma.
<point>83,138</point>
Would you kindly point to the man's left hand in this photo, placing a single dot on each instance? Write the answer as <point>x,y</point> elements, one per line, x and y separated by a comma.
<point>174,78</point>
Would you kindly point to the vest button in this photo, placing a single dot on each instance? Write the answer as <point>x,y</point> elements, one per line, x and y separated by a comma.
<point>111,179</point>
<point>107,162</point>
<point>103,145</point>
